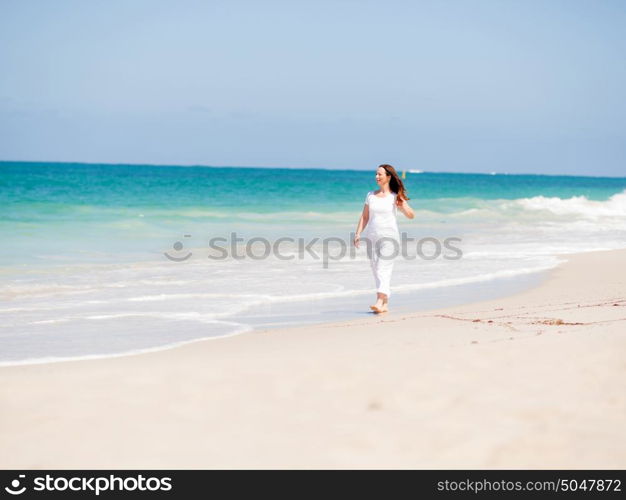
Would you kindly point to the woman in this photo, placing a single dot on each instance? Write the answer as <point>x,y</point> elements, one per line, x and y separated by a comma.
<point>379,215</point>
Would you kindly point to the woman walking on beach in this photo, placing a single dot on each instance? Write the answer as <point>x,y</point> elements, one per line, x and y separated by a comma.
<point>379,215</point>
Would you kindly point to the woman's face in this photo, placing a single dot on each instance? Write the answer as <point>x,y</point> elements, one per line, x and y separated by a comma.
<point>382,177</point>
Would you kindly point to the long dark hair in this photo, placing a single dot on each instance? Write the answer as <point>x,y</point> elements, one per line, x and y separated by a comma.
<point>395,183</point>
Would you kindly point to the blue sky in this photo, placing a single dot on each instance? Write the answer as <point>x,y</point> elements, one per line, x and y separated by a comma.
<point>473,86</point>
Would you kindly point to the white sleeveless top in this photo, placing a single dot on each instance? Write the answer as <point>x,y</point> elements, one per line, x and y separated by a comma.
<point>383,212</point>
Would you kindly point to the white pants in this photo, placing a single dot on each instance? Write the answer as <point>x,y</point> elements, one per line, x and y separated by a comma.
<point>381,257</point>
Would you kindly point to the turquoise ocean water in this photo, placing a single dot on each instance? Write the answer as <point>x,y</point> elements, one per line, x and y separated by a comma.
<point>84,270</point>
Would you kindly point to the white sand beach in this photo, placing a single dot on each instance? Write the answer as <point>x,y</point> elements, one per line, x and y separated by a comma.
<point>534,380</point>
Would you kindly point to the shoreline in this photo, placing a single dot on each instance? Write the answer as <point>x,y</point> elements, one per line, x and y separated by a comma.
<point>529,380</point>
<point>338,309</point>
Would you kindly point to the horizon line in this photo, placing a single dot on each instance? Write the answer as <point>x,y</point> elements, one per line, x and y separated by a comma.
<point>407,170</point>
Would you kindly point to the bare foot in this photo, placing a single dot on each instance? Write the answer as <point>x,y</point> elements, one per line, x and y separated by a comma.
<point>379,308</point>
<point>377,305</point>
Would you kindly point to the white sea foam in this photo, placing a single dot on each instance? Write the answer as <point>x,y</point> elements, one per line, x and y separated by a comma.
<point>239,329</point>
<point>615,206</point>
<point>576,205</point>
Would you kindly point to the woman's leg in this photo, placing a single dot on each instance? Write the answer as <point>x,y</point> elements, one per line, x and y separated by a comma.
<point>382,267</point>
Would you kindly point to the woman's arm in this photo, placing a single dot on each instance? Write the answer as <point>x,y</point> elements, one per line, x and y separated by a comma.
<point>404,207</point>
<point>365,217</point>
